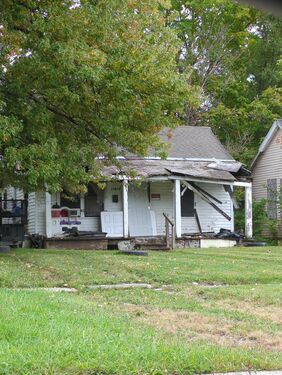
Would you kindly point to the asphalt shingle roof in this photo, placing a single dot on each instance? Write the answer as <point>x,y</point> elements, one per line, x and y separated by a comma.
<point>194,142</point>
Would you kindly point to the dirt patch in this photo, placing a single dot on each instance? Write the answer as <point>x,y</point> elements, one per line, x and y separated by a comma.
<point>270,312</point>
<point>194,326</point>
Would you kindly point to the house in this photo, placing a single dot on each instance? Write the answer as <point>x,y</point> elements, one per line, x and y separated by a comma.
<point>267,174</point>
<point>189,194</point>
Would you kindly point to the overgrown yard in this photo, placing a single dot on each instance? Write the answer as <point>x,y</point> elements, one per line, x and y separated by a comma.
<point>208,310</point>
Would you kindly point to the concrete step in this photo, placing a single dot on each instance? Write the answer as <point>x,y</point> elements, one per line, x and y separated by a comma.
<point>152,246</point>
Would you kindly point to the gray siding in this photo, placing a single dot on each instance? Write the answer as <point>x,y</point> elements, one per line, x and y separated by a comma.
<point>268,166</point>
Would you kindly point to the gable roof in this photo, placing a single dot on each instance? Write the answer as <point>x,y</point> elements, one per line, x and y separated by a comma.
<point>272,131</point>
<point>194,142</point>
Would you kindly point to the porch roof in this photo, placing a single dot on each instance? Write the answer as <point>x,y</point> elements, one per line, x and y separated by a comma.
<point>155,168</point>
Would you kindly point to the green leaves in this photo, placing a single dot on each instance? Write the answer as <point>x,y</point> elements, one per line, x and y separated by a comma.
<point>84,82</point>
<point>234,53</point>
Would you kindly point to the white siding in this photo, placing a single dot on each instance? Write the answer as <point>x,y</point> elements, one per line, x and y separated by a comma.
<point>210,219</point>
<point>163,205</point>
<point>19,193</point>
<point>113,188</point>
<point>31,213</point>
<point>40,212</point>
<point>11,192</point>
<point>36,213</point>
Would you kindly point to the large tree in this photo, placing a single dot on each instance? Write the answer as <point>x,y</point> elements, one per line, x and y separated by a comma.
<point>80,80</point>
<point>233,54</point>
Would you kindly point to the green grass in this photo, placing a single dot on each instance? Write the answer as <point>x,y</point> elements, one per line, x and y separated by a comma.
<point>78,268</point>
<point>186,327</point>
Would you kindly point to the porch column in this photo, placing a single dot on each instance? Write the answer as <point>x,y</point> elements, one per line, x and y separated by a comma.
<point>248,212</point>
<point>48,215</point>
<point>125,207</point>
<point>177,208</point>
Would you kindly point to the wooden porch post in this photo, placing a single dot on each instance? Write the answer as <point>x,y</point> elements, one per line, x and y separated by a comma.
<point>177,208</point>
<point>125,207</point>
<point>48,216</point>
<point>248,212</point>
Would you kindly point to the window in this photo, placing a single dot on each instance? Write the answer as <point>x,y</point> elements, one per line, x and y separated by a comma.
<point>187,204</point>
<point>115,198</point>
<point>93,201</point>
<point>272,199</point>
<point>69,201</point>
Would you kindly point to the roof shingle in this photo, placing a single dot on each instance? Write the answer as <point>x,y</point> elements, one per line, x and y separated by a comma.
<point>197,142</point>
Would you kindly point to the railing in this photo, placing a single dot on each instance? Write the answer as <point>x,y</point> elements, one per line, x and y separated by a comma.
<point>13,218</point>
<point>170,234</point>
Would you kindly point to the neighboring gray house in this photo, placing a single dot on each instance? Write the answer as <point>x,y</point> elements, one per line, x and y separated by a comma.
<point>192,188</point>
<point>267,173</point>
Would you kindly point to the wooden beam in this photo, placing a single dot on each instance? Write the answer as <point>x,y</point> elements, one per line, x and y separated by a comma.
<point>125,207</point>
<point>205,192</point>
<point>198,220</point>
<point>177,207</point>
<point>241,183</point>
<point>248,212</point>
<point>206,199</point>
<point>229,190</point>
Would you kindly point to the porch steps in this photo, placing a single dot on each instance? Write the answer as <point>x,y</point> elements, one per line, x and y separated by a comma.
<point>151,243</point>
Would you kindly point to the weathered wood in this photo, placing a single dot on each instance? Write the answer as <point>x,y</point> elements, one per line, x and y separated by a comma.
<point>125,208</point>
<point>168,222</point>
<point>77,244</point>
<point>48,216</point>
<point>167,233</point>
<point>229,190</point>
<point>173,237</point>
<point>198,220</point>
<point>205,192</point>
<point>206,199</point>
<point>177,207</point>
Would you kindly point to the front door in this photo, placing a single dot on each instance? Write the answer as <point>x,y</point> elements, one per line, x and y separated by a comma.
<point>139,214</point>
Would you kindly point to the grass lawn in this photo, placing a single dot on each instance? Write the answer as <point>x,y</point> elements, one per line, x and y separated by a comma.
<point>210,310</point>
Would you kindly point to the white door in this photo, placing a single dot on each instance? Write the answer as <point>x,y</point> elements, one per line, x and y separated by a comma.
<point>139,215</point>
<point>112,223</point>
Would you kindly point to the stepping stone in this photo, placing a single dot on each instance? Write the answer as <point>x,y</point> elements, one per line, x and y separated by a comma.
<point>121,286</point>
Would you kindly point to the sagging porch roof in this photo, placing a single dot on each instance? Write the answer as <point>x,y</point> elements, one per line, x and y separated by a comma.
<point>147,168</point>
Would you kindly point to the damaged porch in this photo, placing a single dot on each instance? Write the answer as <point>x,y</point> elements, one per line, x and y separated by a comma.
<point>172,204</point>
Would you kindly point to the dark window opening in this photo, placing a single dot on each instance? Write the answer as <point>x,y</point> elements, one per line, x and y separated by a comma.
<point>272,199</point>
<point>70,201</point>
<point>115,198</point>
<point>187,203</point>
<point>93,201</point>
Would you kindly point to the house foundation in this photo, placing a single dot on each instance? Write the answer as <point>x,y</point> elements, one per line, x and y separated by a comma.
<point>138,243</point>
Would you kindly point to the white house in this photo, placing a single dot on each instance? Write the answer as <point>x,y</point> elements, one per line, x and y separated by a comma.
<point>192,190</point>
